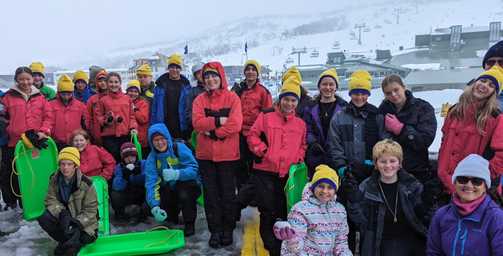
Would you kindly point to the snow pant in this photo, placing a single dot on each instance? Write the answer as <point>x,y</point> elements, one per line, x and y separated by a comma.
<point>113,145</point>
<point>271,202</point>
<point>219,194</point>
<point>246,162</point>
<point>50,224</point>
<point>132,195</point>
<point>6,184</point>
<point>182,197</point>
<point>410,244</point>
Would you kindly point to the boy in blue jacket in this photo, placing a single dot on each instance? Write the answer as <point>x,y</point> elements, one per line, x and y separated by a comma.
<point>128,185</point>
<point>172,179</point>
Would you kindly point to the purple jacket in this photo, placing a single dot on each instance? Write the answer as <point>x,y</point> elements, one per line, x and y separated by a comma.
<point>313,122</point>
<point>480,233</point>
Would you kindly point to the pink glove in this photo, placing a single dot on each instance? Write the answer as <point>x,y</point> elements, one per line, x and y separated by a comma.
<point>283,230</point>
<point>392,124</point>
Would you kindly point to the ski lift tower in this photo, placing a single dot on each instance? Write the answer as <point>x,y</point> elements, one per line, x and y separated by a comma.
<point>360,26</point>
<point>298,51</point>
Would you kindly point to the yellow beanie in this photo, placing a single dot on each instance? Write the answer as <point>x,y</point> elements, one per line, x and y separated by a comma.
<point>360,82</point>
<point>332,72</point>
<point>326,174</point>
<point>291,87</point>
<point>80,75</point>
<point>37,67</point>
<point>134,83</point>
<point>253,63</point>
<point>65,84</point>
<point>292,71</point>
<point>175,59</point>
<point>495,74</point>
<point>144,70</point>
<point>70,153</point>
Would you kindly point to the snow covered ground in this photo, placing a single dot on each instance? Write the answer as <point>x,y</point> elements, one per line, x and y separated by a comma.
<point>27,238</point>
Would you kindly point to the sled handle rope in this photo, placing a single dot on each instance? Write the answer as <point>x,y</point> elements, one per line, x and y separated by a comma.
<point>160,242</point>
<point>14,171</point>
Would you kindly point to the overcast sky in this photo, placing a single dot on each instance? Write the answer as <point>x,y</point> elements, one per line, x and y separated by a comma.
<point>58,31</point>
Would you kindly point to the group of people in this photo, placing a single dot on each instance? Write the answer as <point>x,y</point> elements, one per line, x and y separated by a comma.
<point>372,189</point>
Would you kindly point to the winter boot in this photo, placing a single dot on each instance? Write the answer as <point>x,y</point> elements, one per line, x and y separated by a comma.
<point>226,238</point>
<point>215,240</point>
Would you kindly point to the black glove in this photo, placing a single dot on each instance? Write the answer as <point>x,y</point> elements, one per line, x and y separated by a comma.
<point>43,143</point>
<point>316,148</point>
<point>32,137</point>
<point>68,223</point>
<point>120,119</point>
<point>349,187</point>
<point>73,239</point>
<point>360,171</point>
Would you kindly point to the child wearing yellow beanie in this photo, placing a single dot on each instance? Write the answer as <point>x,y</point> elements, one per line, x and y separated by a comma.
<point>314,222</point>
<point>71,206</point>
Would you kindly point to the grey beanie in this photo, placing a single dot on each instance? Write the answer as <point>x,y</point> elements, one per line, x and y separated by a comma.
<point>196,67</point>
<point>473,166</point>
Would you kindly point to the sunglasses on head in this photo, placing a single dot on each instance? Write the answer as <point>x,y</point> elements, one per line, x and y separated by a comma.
<point>464,180</point>
<point>492,62</point>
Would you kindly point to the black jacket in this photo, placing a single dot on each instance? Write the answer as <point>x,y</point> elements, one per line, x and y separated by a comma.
<point>368,211</point>
<point>419,131</point>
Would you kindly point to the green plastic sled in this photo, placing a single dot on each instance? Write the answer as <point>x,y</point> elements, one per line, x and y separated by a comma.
<point>101,187</point>
<point>137,144</point>
<point>297,180</point>
<point>139,243</point>
<point>193,142</point>
<point>35,168</point>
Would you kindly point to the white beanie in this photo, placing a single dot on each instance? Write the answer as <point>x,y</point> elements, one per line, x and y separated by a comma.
<point>473,166</point>
<point>196,67</point>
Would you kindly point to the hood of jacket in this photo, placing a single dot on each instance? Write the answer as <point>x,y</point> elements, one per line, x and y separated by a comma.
<point>217,66</point>
<point>163,130</point>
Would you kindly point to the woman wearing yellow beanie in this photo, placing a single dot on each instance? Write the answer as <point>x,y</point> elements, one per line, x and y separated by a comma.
<point>71,206</point>
<point>318,116</point>
<point>278,140</point>
<point>317,223</point>
<point>304,98</point>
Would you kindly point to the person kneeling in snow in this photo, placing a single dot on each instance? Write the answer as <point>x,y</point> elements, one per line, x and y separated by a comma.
<point>172,179</point>
<point>71,206</point>
<point>128,186</point>
<point>316,225</point>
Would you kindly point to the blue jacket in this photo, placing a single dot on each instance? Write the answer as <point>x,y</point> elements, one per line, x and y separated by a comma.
<point>123,176</point>
<point>181,160</point>
<point>85,95</point>
<point>480,233</point>
<point>500,100</point>
<point>157,109</point>
<point>3,123</point>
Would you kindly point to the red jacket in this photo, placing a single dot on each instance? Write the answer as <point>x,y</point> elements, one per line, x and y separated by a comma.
<point>92,125</point>
<point>285,145</point>
<point>67,119</point>
<point>461,138</point>
<point>26,113</point>
<point>118,105</point>
<point>226,147</point>
<point>96,161</point>
<point>253,101</point>
<point>142,115</point>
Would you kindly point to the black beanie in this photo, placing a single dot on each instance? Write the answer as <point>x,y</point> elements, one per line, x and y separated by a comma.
<point>495,51</point>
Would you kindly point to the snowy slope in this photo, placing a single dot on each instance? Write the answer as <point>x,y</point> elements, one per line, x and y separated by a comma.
<point>271,38</point>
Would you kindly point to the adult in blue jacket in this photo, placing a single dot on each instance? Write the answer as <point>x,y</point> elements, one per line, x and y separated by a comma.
<point>169,103</point>
<point>128,185</point>
<point>472,224</point>
<point>172,179</point>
